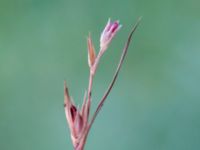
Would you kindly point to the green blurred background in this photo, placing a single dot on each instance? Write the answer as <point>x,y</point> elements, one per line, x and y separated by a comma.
<point>155,104</point>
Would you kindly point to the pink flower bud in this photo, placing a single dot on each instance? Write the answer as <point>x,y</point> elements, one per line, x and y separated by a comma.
<point>108,33</point>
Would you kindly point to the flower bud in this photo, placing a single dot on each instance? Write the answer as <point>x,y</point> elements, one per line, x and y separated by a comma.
<point>77,120</point>
<point>108,33</point>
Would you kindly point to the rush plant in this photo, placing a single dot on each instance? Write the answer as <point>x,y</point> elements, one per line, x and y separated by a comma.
<point>78,119</point>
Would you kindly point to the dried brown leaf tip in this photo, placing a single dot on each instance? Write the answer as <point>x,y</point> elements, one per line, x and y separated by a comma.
<point>78,119</point>
<point>91,51</point>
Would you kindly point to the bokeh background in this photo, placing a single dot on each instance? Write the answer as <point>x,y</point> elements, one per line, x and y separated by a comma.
<point>155,103</point>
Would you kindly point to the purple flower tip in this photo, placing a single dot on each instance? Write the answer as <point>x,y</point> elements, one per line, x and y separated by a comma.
<point>108,33</point>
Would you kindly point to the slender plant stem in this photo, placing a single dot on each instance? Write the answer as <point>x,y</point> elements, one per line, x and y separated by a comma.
<point>91,77</point>
<point>124,52</point>
<point>96,63</point>
<point>90,88</point>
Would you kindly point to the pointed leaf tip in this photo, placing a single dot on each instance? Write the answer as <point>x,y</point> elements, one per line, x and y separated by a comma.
<point>66,94</point>
<point>91,51</point>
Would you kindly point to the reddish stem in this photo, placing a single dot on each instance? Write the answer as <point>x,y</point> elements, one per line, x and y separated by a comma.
<point>124,52</point>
